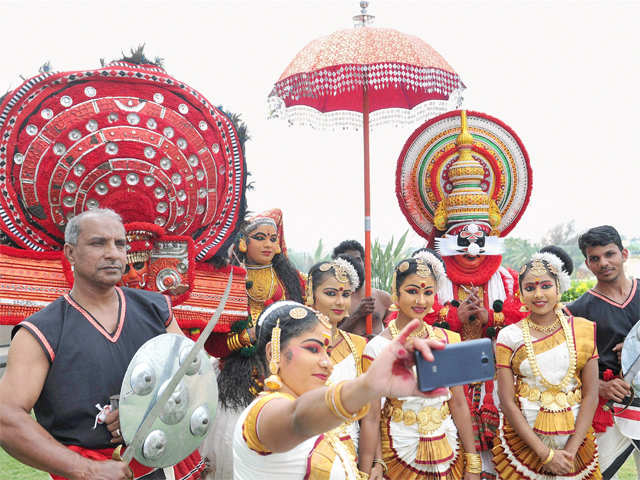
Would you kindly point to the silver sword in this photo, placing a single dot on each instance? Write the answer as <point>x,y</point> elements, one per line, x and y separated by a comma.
<point>147,423</point>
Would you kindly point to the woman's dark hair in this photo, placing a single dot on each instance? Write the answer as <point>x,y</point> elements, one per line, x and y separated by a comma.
<point>356,265</point>
<point>348,245</point>
<point>413,267</point>
<point>599,237</point>
<point>567,263</point>
<point>238,375</point>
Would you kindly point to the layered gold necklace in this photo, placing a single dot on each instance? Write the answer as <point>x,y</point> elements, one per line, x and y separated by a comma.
<point>553,391</point>
<point>424,328</point>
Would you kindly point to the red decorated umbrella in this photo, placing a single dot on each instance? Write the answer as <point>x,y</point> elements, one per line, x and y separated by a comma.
<point>362,77</point>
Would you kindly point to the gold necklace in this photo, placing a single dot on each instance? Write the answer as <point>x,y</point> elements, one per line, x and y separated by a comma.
<point>544,329</point>
<point>263,280</point>
<point>354,352</point>
<point>528,344</point>
<point>425,328</point>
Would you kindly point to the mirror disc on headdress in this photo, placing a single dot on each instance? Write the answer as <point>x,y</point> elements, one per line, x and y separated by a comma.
<point>127,137</point>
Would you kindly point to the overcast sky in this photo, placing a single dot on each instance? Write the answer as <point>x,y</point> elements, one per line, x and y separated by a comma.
<point>563,75</point>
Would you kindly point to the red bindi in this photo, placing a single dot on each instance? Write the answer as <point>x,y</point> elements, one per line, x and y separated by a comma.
<point>423,285</point>
<point>326,342</point>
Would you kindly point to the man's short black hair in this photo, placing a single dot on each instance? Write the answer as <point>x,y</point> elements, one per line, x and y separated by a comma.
<point>599,237</point>
<point>348,245</point>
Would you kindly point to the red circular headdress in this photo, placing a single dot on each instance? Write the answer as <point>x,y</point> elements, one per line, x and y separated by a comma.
<point>127,137</point>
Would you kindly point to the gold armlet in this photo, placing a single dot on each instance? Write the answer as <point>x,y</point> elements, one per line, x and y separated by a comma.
<point>473,463</point>
<point>549,457</point>
<point>236,341</point>
<point>333,400</point>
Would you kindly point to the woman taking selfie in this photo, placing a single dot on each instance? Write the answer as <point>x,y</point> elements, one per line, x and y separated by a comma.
<point>420,436</point>
<point>547,371</point>
<point>288,431</point>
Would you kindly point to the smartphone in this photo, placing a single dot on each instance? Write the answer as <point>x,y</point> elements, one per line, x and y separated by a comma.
<point>457,364</point>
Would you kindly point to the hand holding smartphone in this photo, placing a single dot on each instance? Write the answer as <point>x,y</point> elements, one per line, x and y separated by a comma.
<point>457,364</point>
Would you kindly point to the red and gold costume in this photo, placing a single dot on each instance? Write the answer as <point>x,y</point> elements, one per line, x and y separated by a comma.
<point>129,137</point>
<point>463,181</point>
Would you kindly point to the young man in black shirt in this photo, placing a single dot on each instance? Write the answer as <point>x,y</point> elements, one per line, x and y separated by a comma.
<point>614,305</point>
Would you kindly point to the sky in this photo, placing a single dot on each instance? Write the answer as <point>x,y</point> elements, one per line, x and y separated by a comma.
<point>563,75</point>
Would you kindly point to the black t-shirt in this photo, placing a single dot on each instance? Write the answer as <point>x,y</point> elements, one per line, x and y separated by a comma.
<point>87,363</point>
<point>613,321</point>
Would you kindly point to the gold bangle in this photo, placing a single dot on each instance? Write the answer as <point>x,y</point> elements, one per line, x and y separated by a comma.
<point>382,463</point>
<point>473,463</point>
<point>333,400</point>
<point>349,417</point>
<point>549,457</point>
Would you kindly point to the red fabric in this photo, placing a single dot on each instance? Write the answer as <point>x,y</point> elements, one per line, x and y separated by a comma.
<point>189,468</point>
<point>602,419</point>
<point>478,276</point>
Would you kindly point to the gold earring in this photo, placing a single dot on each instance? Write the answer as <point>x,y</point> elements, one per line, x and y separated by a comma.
<point>308,300</point>
<point>274,382</point>
<point>242,245</point>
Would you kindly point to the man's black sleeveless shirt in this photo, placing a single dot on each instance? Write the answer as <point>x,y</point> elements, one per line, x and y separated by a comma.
<point>87,363</point>
<point>613,322</point>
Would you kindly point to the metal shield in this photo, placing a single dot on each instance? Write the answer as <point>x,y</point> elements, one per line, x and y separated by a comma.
<point>189,412</point>
<point>630,352</point>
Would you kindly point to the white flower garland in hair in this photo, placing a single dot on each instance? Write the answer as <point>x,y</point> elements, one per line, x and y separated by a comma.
<point>351,272</point>
<point>563,277</point>
<point>437,266</point>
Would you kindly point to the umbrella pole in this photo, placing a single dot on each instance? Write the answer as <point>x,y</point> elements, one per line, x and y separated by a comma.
<point>367,202</point>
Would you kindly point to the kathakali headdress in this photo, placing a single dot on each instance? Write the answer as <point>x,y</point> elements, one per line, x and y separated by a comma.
<point>463,179</point>
<point>127,137</point>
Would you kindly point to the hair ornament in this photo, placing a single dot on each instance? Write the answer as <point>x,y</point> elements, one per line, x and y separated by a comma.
<point>437,266</point>
<point>325,267</point>
<point>265,313</point>
<point>298,313</point>
<point>256,222</point>
<point>556,268</point>
<point>403,267</point>
<point>346,273</point>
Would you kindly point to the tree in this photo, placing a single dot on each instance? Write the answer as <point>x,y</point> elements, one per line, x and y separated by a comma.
<point>384,259</point>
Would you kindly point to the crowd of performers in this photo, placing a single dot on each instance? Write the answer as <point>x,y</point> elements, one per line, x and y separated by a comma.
<point>123,214</point>
<point>547,379</point>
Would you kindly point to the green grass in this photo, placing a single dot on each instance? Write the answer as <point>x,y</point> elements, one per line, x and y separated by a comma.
<point>11,469</point>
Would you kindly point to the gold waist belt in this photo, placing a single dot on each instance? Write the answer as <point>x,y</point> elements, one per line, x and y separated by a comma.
<point>428,419</point>
<point>550,399</point>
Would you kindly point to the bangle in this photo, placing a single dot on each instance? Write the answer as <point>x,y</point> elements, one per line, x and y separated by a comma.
<point>473,463</point>
<point>549,457</point>
<point>382,463</point>
<point>333,400</point>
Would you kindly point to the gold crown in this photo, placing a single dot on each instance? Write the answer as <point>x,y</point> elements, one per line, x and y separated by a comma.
<point>466,202</point>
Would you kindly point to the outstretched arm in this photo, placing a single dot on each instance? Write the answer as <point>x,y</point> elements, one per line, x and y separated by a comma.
<point>283,424</point>
<point>22,437</point>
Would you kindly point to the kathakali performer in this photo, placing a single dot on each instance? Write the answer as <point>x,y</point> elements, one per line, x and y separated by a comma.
<point>422,438</point>
<point>548,378</point>
<point>463,183</point>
